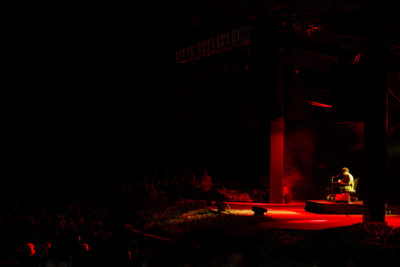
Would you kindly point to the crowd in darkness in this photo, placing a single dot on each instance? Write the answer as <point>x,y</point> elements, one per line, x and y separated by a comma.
<point>38,230</point>
<point>186,184</point>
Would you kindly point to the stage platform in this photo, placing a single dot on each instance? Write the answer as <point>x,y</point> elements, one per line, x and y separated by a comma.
<point>328,207</point>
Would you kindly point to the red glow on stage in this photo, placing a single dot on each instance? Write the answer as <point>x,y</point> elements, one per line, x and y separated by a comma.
<point>316,221</point>
<point>318,104</point>
<point>276,159</point>
<point>286,190</point>
<point>308,221</point>
<point>31,248</point>
<point>286,193</point>
<point>294,216</point>
<point>130,255</point>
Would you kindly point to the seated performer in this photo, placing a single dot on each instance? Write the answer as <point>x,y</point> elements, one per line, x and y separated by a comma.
<point>343,182</point>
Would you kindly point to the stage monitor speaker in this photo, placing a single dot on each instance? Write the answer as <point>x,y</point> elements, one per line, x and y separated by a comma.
<point>258,211</point>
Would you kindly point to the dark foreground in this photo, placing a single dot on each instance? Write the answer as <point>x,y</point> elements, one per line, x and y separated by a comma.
<point>188,232</point>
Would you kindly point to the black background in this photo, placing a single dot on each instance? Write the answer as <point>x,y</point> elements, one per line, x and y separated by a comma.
<point>85,88</point>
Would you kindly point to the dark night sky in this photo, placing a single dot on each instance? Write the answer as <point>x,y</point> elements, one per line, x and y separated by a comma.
<point>83,89</point>
<point>87,89</point>
<point>91,91</point>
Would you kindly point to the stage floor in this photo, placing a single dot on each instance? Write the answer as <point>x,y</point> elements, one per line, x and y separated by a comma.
<point>329,207</point>
<point>294,216</point>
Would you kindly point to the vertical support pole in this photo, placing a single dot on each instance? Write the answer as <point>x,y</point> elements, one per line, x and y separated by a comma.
<point>277,159</point>
<point>376,119</point>
<point>277,133</point>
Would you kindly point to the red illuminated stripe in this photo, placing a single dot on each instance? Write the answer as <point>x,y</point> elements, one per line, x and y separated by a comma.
<point>357,59</point>
<point>318,104</point>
